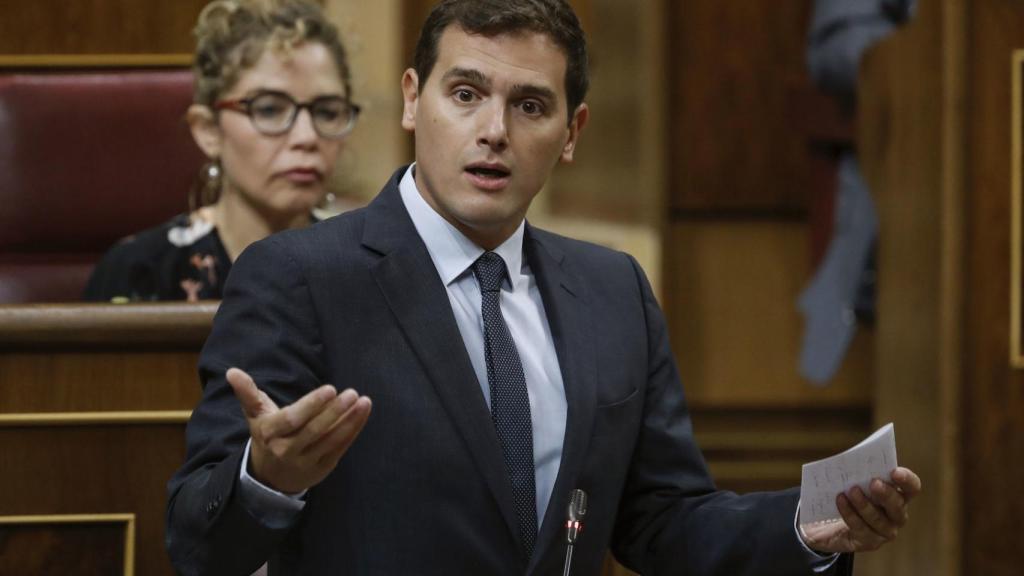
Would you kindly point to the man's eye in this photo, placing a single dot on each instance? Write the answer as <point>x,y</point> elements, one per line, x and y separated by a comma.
<point>532,108</point>
<point>464,96</point>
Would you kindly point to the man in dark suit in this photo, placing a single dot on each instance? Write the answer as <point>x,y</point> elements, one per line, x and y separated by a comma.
<point>508,366</point>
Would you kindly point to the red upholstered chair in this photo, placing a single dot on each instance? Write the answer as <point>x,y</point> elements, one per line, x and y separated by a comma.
<point>85,159</point>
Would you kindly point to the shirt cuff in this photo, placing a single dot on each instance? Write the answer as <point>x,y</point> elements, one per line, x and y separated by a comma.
<point>276,510</point>
<point>819,563</point>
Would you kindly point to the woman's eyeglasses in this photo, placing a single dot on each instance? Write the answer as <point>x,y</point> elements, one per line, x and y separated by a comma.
<point>274,113</point>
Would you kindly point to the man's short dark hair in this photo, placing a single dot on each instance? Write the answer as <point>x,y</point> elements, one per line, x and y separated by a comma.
<point>553,18</point>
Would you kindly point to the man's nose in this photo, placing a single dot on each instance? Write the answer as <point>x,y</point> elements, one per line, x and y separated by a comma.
<point>494,125</point>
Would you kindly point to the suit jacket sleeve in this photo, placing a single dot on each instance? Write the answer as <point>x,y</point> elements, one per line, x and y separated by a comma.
<point>671,519</point>
<point>266,325</point>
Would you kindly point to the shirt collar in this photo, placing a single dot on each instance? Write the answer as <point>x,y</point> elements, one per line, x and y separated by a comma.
<point>452,252</point>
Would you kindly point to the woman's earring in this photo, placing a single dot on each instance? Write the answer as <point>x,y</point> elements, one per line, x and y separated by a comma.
<point>206,188</point>
<point>212,182</point>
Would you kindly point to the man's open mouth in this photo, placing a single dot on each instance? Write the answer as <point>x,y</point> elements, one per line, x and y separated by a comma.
<point>487,172</point>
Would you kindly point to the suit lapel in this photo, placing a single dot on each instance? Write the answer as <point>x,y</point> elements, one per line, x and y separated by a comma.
<point>413,290</point>
<point>564,297</point>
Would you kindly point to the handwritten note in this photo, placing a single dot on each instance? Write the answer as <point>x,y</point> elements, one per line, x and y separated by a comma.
<point>823,480</point>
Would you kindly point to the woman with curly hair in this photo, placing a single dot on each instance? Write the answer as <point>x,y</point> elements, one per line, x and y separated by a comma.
<point>271,111</point>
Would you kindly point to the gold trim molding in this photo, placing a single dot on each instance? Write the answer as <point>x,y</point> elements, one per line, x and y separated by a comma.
<point>95,60</point>
<point>127,519</point>
<point>95,418</point>
<point>1016,205</point>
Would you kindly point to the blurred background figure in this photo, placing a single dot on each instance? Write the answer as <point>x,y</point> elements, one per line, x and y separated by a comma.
<point>843,288</point>
<point>271,111</point>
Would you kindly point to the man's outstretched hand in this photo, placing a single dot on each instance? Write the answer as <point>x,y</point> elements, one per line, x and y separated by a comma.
<point>295,447</point>
<point>867,523</point>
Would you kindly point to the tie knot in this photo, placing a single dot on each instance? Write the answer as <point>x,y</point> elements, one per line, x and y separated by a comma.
<point>489,270</point>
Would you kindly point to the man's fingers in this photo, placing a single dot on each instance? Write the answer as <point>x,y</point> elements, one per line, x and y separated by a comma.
<point>254,402</point>
<point>321,424</point>
<point>907,482</point>
<point>333,446</point>
<point>872,515</point>
<point>891,500</point>
<point>293,417</point>
<point>862,537</point>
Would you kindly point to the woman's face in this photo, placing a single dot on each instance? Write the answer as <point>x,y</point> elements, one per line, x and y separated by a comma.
<point>282,176</point>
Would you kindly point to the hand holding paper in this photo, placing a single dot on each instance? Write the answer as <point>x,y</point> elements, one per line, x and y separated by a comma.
<point>856,501</point>
<point>823,480</point>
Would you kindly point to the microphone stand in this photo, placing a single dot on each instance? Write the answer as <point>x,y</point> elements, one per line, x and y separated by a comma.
<point>568,561</point>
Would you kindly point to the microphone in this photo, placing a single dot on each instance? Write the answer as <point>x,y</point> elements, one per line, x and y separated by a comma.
<point>574,525</point>
<point>577,510</point>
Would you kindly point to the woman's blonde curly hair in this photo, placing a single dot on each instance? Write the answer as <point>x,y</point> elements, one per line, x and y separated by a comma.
<point>231,36</point>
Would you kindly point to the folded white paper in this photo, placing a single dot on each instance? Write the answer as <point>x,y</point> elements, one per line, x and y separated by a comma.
<point>823,480</point>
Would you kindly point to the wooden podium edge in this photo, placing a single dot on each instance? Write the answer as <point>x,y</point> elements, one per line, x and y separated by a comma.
<point>130,325</point>
<point>112,418</point>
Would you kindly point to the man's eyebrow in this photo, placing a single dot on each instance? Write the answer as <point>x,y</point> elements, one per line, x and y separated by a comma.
<point>542,92</point>
<point>477,77</point>
<point>468,75</point>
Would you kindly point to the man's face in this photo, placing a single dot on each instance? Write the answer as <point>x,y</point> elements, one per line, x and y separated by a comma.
<point>490,125</point>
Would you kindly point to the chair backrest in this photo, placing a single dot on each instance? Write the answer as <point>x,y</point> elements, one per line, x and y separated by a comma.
<point>85,159</point>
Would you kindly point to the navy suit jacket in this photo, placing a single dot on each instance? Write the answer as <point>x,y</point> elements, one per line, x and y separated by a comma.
<point>356,301</point>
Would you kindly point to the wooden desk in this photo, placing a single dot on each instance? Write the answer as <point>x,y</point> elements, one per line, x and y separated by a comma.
<point>93,405</point>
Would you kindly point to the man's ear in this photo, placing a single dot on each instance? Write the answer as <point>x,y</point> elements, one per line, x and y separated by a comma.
<point>411,98</point>
<point>205,131</point>
<point>579,120</point>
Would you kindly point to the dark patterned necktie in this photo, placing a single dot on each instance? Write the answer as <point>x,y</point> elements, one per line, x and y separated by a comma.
<point>510,402</point>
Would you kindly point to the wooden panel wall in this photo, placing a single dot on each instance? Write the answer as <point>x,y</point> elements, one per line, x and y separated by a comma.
<point>993,393</point>
<point>736,330</point>
<point>619,171</point>
<point>905,115</point>
<point>936,136</point>
<point>371,31</point>
<point>936,133</point>
<point>98,26</point>
<point>100,468</point>
<point>85,545</point>
<point>735,68</point>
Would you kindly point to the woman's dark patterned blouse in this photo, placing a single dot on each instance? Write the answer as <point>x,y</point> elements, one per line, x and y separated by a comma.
<point>178,260</point>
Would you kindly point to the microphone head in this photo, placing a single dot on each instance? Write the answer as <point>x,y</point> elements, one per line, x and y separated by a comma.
<point>577,505</point>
